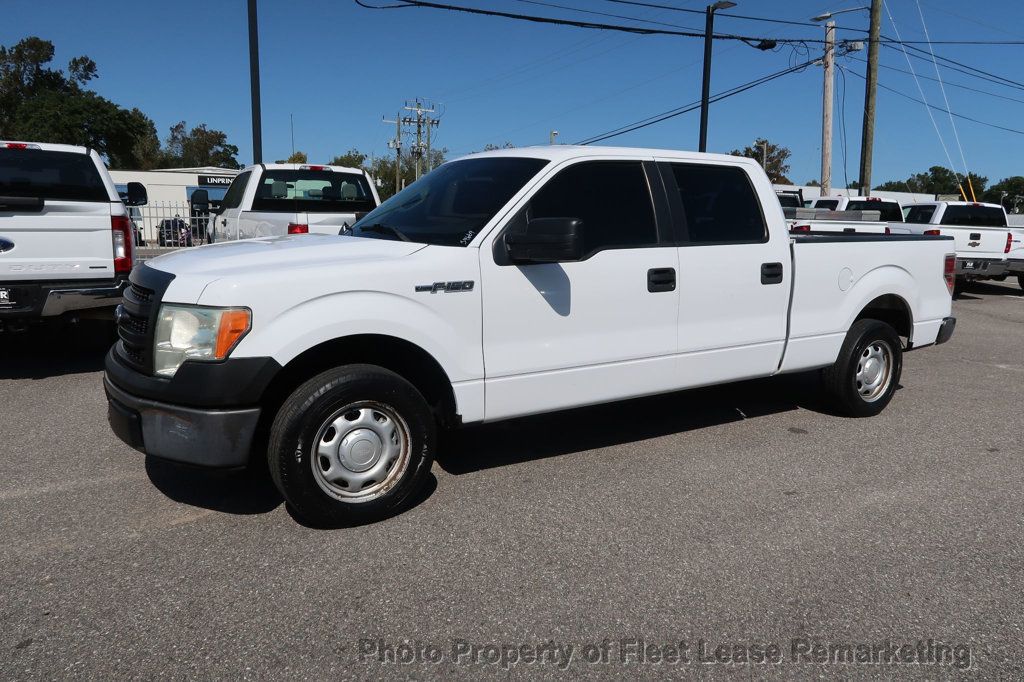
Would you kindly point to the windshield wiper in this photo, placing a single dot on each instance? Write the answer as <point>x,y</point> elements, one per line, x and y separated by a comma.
<point>381,228</point>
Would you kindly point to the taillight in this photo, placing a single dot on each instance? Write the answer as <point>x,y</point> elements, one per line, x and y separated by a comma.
<point>315,168</point>
<point>1009,242</point>
<point>19,145</point>
<point>298,228</point>
<point>800,228</point>
<point>933,233</point>
<point>949,271</point>
<point>121,234</point>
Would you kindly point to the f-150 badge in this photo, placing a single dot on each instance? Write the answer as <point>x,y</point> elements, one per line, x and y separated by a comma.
<point>446,287</point>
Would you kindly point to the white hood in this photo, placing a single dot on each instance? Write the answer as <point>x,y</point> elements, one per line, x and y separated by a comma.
<point>250,256</point>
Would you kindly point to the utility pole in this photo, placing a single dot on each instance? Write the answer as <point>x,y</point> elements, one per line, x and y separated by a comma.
<point>705,93</point>
<point>254,84</point>
<point>396,144</point>
<point>867,139</point>
<point>764,156</point>
<point>826,107</point>
<point>422,111</point>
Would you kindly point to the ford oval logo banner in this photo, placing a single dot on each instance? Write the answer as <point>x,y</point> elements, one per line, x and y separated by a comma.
<point>5,245</point>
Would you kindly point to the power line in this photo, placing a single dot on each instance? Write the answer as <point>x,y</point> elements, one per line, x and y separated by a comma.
<point>726,14</point>
<point>966,118</point>
<point>672,113</point>
<point>586,24</point>
<point>931,78</point>
<point>604,14</point>
<point>1002,80</point>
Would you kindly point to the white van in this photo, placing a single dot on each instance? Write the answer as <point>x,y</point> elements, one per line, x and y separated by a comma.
<point>272,199</point>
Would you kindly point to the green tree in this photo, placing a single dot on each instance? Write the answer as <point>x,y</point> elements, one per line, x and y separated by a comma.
<point>1009,192</point>
<point>936,180</point>
<point>774,159</point>
<point>353,158</point>
<point>296,157</point>
<point>200,146</point>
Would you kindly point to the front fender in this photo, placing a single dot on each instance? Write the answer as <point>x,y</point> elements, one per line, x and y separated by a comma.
<point>452,337</point>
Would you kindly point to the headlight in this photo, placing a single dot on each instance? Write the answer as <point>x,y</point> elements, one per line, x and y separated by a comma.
<point>196,333</point>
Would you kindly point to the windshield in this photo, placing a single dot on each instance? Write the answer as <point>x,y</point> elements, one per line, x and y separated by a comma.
<point>450,205</point>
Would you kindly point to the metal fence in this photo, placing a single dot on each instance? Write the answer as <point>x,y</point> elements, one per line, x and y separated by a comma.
<point>169,225</point>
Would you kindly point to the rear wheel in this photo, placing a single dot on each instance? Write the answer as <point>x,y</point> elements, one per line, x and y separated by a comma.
<point>351,445</point>
<point>864,377</point>
<point>1020,281</point>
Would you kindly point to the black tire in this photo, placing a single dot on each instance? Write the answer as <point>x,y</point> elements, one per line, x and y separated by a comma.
<point>382,397</point>
<point>1020,281</point>
<point>841,379</point>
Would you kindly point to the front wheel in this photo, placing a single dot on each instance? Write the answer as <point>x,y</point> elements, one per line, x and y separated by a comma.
<point>351,445</point>
<point>865,375</point>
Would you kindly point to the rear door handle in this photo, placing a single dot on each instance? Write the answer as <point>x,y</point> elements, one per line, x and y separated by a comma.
<point>771,273</point>
<point>661,279</point>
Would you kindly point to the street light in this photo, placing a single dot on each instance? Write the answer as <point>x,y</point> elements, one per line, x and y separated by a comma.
<point>829,15</point>
<point>709,26</point>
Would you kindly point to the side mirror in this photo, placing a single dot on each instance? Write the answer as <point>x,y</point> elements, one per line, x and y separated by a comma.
<point>200,201</point>
<point>137,195</point>
<point>546,240</point>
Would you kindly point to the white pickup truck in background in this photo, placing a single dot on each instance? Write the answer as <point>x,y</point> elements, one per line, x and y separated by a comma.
<point>983,241</point>
<point>890,210</point>
<point>272,199</point>
<point>504,284</point>
<point>66,241</point>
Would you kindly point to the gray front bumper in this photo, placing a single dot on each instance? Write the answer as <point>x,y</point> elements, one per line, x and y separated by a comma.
<point>205,437</point>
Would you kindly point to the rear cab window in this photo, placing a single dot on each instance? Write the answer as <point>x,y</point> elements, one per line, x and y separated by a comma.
<point>974,216</point>
<point>313,191</point>
<point>890,210</point>
<point>830,204</point>
<point>50,175</point>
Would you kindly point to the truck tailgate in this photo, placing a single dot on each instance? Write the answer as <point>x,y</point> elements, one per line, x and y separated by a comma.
<point>983,242</point>
<point>67,240</point>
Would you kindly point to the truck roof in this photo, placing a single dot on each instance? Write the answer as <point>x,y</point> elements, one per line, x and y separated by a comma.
<point>954,203</point>
<point>303,166</point>
<point>49,146</point>
<point>562,152</point>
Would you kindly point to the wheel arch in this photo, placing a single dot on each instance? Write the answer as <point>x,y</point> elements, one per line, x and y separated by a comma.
<point>408,360</point>
<point>892,309</point>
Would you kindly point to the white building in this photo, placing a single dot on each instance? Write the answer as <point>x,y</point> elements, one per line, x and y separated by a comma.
<point>176,185</point>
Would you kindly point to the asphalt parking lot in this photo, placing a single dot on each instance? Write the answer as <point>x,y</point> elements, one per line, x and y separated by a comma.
<point>743,516</point>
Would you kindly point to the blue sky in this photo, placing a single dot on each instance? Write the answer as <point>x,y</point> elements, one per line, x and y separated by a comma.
<point>338,68</point>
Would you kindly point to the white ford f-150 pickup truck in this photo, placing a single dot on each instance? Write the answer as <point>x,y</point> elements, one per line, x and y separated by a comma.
<point>503,284</point>
<point>273,199</point>
<point>66,240</point>
<point>982,238</point>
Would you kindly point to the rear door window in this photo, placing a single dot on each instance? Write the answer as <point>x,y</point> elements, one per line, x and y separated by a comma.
<point>719,205</point>
<point>64,176</point>
<point>313,191</point>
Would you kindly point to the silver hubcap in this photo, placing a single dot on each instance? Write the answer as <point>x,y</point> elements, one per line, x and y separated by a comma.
<point>361,451</point>
<point>874,371</point>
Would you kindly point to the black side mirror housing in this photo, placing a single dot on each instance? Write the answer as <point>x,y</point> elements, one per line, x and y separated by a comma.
<point>546,240</point>
<point>200,201</point>
<point>137,195</point>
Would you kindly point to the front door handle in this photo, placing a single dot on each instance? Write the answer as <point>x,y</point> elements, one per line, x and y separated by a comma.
<point>771,273</point>
<point>661,279</point>
<point>224,222</point>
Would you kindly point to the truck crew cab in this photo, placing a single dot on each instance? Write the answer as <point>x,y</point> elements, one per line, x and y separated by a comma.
<point>66,240</point>
<point>503,284</point>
